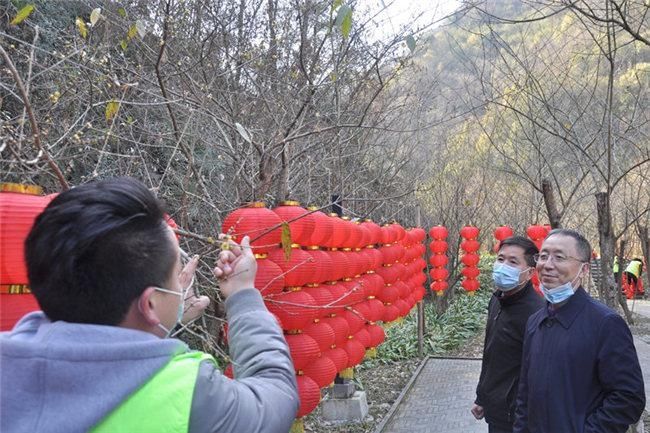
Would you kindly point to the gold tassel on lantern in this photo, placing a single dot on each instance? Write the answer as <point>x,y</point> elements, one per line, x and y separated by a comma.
<point>298,426</point>
<point>347,373</point>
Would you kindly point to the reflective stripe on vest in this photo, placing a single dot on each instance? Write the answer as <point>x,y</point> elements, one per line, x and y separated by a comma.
<point>163,404</point>
<point>634,268</point>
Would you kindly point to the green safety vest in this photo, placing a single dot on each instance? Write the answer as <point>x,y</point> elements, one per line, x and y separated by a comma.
<point>163,404</point>
<point>634,268</point>
<point>615,268</point>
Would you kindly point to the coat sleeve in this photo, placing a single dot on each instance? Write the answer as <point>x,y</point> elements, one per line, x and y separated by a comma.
<point>521,412</point>
<point>263,398</point>
<point>620,376</point>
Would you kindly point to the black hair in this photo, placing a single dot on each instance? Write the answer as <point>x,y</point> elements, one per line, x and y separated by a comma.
<point>95,249</point>
<point>582,244</point>
<point>530,249</point>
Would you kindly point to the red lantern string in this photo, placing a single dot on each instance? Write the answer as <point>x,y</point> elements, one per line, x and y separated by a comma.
<point>322,370</point>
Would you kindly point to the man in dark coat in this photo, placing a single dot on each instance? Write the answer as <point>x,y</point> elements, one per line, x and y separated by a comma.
<point>580,371</point>
<point>513,302</point>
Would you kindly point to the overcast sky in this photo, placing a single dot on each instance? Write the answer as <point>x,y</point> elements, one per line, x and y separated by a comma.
<point>417,13</point>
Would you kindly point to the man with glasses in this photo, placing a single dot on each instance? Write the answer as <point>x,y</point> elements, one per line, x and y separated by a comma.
<point>580,371</point>
<point>512,303</point>
<point>106,270</point>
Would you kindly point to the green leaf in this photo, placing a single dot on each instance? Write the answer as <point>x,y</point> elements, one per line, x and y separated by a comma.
<point>121,12</point>
<point>410,42</point>
<point>347,24</point>
<point>124,44</point>
<point>285,238</point>
<point>22,15</point>
<point>95,15</point>
<point>111,110</point>
<point>133,30</point>
<point>342,13</point>
<point>81,26</point>
<point>242,131</point>
<point>336,3</point>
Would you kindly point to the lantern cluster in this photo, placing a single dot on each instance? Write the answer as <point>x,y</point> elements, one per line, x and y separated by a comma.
<point>438,259</point>
<point>333,288</point>
<point>500,234</point>
<point>19,207</point>
<point>470,245</point>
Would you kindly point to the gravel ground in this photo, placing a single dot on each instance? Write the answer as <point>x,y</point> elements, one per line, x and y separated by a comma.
<point>383,383</point>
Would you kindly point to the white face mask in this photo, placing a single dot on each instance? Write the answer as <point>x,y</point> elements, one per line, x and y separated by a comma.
<point>561,293</point>
<point>179,313</point>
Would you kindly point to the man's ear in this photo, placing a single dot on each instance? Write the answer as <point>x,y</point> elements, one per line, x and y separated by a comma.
<point>147,303</point>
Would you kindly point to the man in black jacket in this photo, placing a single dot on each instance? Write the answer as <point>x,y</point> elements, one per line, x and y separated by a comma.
<point>514,300</point>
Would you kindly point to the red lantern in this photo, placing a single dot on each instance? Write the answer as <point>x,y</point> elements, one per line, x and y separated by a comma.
<point>322,370</point>
<point>471,272</point>
<point>269,279</point>
<point>438,260</point>
<point>324,264</point>
<point>470,285</point>
<point>377,335</point>
<point>438,233</point>
<point>391,313</point>
<point>470,246</point>
<point>355,291</point>
<point>374,283</point>
<point>13,307</point>
<point>323,333</point>
<point>439,287</point>
<point>403,307</point>
<point>339,357</point>
<point>399,231</point>
<point>377,257</point>
<point>355,320</point>
<point>261,224</point>
<point>309,394</point>
<point>377,310</point>
<point>375,231</point>
<point>301,222</point>
<point>355,350</point>
<point>438,247</point>
<point>363,337</point>
<point>502,233</point>
<point>536,232</point>
<point>341,232</point>
<point>340,297</point>
<point>363,309</point>
<point>470,259</point>
<point>340,327</point>
<point>294,309</point>
<point>365,235</point>
<point>389,274</point>
<point>439,274</point>
<point>323,298</point>
<point>354,235</point>
<point>303,348</point>
<point>469,232</point>
<point>323,228</point>
<point>298,270</point>
<point>342,268</point>
<point>388,294</point>
<point>388,236</point>
<point>402,289</point>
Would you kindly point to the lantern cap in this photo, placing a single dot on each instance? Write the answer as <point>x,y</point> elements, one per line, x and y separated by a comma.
<point>312,207</point>
<point>21,188</point>
<point>334,214</point>
<point>289,203</point>
<point>294,246</point>
<point>261,255</point>
<point>255,204</point>
<point>313,248</point>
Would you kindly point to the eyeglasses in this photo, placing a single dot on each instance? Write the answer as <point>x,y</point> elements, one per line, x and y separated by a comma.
<point>557,258</point>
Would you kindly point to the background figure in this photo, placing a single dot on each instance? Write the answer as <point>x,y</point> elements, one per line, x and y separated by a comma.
<point>513,302</point>
<point>580,371</point>
<point>106,270</point>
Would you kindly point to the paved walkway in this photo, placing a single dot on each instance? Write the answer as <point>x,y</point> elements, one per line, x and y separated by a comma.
<point>439,400</point>
<point>440,394</point>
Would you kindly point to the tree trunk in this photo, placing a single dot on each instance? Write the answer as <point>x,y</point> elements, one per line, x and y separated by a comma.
<point>554,216</point>
<point>606,285</point>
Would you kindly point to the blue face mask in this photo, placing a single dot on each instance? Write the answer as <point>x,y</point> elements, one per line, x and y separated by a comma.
<point>559,294</point>
<point>506,277</point>
<point>179,313</point>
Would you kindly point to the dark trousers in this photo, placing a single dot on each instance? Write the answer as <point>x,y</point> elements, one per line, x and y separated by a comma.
<point>492,429</point>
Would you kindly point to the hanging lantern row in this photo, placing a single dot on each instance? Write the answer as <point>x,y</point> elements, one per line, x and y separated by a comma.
<point>470,245</point>
<point>438,260</point>
<point>341,282</point>
<point>19,207</point>
<point>500,234</point>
